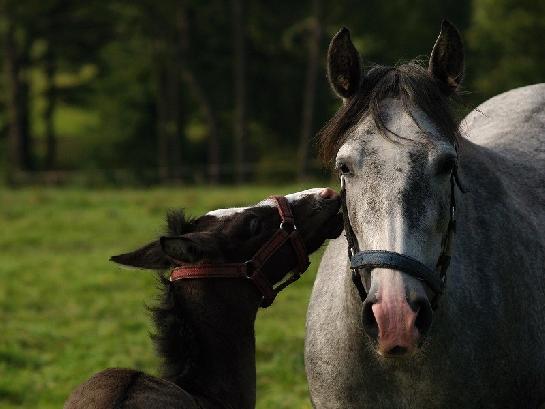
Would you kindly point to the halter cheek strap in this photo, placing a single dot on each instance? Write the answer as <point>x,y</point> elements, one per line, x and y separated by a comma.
<point>253,269</point>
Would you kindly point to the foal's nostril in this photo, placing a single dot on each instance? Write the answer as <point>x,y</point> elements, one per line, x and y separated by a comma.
<point>328,193</point>
<point>369,321</point>
<point>424,314</point>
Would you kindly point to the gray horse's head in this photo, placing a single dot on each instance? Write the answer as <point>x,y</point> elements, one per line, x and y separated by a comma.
<point>394,142</point>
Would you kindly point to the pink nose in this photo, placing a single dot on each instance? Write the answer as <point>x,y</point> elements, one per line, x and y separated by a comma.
<point>328,193</point>
<point>397,332</point>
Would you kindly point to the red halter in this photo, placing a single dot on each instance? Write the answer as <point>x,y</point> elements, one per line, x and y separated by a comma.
<point>252,269</point>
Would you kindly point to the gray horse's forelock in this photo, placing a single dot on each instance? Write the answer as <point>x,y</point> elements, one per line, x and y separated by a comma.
<point>411,83</point>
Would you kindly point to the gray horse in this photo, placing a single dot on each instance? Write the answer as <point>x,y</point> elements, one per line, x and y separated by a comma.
<point>397,339</point>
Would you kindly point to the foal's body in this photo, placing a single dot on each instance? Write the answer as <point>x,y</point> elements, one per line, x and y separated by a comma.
<point>205,327</point>
<point>127,388</point>
<point>486,346</point>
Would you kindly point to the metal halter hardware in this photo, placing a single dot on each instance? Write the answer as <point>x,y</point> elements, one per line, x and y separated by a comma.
<point>367,260</point>
<point>253,269</point>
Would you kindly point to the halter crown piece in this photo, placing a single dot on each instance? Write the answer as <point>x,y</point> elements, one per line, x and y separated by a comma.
<point>367,260</point>
<point>253,269</point>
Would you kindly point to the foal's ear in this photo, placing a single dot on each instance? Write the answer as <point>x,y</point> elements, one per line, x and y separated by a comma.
<point>343,65</point>
<point>447,57</point>
<point>150,256</point>
<point>189,248</point>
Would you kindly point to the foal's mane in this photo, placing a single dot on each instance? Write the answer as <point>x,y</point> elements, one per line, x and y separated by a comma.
<point>411,83</point>
<point>174,337</point>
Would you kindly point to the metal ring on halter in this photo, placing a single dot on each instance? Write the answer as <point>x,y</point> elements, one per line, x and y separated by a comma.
<point>250,268</point>
<point>292,226</point>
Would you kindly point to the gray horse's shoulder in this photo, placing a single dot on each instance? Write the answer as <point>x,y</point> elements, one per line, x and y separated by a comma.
<point>327,293</point>
<point>335,257</point>
<point>512,123</point>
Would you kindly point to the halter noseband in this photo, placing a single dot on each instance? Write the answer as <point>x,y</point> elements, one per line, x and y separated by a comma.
<point>370,259</point>
<point>253,268</point>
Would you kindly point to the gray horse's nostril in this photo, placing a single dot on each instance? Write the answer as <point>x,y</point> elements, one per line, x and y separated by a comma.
<point>397,350</point>
<point>424,315</point>
<point>369,321</point>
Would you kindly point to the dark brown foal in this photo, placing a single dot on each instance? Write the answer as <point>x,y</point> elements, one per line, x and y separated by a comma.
<point>223,266</point>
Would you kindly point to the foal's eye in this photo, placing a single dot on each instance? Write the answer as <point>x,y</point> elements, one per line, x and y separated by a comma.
<point>255,226</point>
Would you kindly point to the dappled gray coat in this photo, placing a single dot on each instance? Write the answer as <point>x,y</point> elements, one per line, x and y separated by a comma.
<point>486,346</point>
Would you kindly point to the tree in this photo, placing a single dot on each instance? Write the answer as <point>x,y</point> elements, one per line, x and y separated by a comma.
<point>16,46</point>
<point>201,97</point>
<point>239,83</point>
<point>504,39</point>
<point>309,96</point>
<point>73,32</point>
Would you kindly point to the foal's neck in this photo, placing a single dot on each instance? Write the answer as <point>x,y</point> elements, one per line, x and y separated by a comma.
<point>205,334</point>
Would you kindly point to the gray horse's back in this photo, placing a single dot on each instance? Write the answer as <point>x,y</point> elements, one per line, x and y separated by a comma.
<point>511,128</point>
<point>512,123</point>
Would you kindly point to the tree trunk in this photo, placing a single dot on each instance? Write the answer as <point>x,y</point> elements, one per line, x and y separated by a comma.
<point>11,69</point>
<point>51,99</point>
<point>169,104</point>
<point>162,115</point>
<point>206,110</point>
<point>195,88</point>
<point>309,95</point>
<point>174,124</point>
<point>19,143</point>
<point>239,76</point>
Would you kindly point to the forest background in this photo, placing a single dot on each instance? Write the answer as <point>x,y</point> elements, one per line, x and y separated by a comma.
<point>144,92</point>
<point>112,112</point>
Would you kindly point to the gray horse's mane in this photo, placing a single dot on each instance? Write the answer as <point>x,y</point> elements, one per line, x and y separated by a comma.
<point>411,83</point>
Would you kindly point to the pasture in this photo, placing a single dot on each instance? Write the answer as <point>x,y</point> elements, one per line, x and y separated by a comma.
<point>67,312</point>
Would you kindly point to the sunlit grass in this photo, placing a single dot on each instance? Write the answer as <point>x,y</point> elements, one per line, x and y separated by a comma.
<point>66,312</point>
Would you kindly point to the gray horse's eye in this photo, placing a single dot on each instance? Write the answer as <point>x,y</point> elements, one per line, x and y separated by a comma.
<point>344,169</point>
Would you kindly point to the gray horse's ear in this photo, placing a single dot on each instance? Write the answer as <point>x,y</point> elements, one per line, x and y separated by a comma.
<point>343,65</point>
<point>447,57</point>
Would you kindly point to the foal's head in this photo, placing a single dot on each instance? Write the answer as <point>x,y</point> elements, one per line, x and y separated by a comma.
<point>234,235</point>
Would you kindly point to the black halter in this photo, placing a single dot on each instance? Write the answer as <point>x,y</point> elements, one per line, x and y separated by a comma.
<point>367,260</point>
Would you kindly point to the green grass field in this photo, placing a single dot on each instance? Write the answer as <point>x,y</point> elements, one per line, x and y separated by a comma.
<point>67,312</point>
